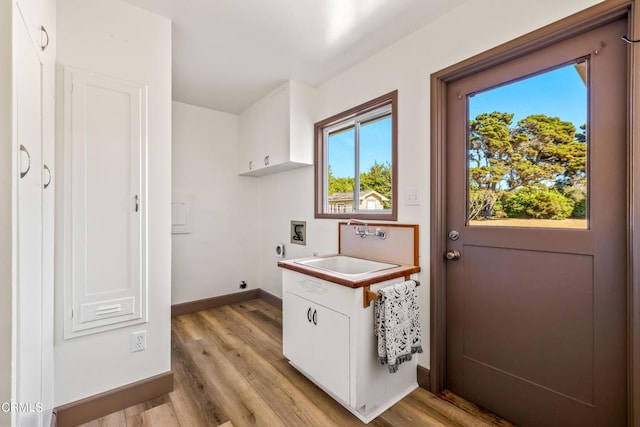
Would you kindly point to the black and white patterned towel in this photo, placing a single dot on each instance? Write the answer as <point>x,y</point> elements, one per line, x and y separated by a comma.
<point>397,324</point>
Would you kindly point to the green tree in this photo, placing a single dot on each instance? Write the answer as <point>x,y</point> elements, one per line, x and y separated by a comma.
<point>378,178</point>
<point>547,150</point>
<point>341,184</point>
<point>537,201</point>
<point>490,153</point>
<point>538,151</point>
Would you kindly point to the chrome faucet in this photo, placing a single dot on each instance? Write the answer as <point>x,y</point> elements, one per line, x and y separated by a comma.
<point>378,233</point>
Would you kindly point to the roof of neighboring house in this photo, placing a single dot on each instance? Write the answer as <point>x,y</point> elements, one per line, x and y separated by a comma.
<point>347,197</point>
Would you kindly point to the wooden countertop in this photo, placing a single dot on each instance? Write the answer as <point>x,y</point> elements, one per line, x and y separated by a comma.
<point>350,281</point>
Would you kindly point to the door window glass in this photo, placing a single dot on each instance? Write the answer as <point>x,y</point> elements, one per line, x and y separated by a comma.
<point>527,151</point>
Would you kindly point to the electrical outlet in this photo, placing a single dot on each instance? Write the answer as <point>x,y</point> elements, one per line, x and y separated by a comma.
<point>138,341</point>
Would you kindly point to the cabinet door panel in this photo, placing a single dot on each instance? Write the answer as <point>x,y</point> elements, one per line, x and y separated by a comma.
<point>331,349</point>
<point>251,131</point>
<point>29,292</point>
<point>277,116</point>
<point>297,337</point>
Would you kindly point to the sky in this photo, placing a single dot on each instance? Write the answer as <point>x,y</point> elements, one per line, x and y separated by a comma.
<point>556,93</point>
<point>375,146</point>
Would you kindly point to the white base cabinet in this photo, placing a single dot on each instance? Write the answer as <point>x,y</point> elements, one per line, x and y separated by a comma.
<point>328,336</point>
<point>321,338</point>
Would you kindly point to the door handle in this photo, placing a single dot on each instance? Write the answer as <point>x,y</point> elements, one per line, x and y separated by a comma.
<point>24,149</point>
<point>45,36</point>
<point>309,314</point>
<point>315,317</point>
<point>453,255</point>
<point>50,176</point>
<point>137,203</point>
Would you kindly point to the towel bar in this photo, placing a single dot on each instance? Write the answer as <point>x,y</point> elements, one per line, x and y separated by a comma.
<point>368,295</point>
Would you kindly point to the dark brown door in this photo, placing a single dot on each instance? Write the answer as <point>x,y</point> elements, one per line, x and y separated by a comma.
<point>536,305</point>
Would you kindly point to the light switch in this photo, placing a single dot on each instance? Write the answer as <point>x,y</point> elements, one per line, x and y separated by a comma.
<point>412,197</point>
<point>178,213</point>
<point>181,213</point>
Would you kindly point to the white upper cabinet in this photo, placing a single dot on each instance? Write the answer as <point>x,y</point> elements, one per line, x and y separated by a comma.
<point>276,133</point>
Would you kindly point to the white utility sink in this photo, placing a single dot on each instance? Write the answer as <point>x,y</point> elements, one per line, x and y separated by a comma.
<point>346,265</point>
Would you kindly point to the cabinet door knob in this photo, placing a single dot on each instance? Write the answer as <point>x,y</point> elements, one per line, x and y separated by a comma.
<point>309,314</point>
<point>315,317</point>
<point>266,160</point>
<point>250,164</point>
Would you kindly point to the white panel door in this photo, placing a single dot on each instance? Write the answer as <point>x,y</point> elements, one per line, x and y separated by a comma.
<point>105,148</point>
<point>28,96</point>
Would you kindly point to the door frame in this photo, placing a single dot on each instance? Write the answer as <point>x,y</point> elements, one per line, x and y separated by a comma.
<point>581,22</point>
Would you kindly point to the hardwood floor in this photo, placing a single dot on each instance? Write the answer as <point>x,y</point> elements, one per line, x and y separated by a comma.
<point>229,371</point>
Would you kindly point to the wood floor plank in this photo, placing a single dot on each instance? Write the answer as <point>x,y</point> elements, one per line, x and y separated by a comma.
<point>225,337</point>
<point>240,400</point>
<point>191,400</point>
<point>266,324</point>
<point>145,406</point>
<point>476,411</point>
<point>186,328</point>
<point>158,416</point>
<point>117,419</point>
<point>292,406</point>
<point>322,400</point>
<point>268,346</point>
<point>440,410</point>
<point>264,307</point>
<point>403,414</point>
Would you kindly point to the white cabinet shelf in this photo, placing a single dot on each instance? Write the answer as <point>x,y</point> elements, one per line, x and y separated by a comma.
<point>328,336</point>
<point>276,133</point>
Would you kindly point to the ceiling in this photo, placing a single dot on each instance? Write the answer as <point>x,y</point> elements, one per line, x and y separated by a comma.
<point>229,53</point>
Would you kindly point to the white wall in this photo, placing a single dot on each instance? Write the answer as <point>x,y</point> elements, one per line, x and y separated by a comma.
<point>6,212</point>
<point>221,249</point>
<point>472,28</point>
<point>118,40</point>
